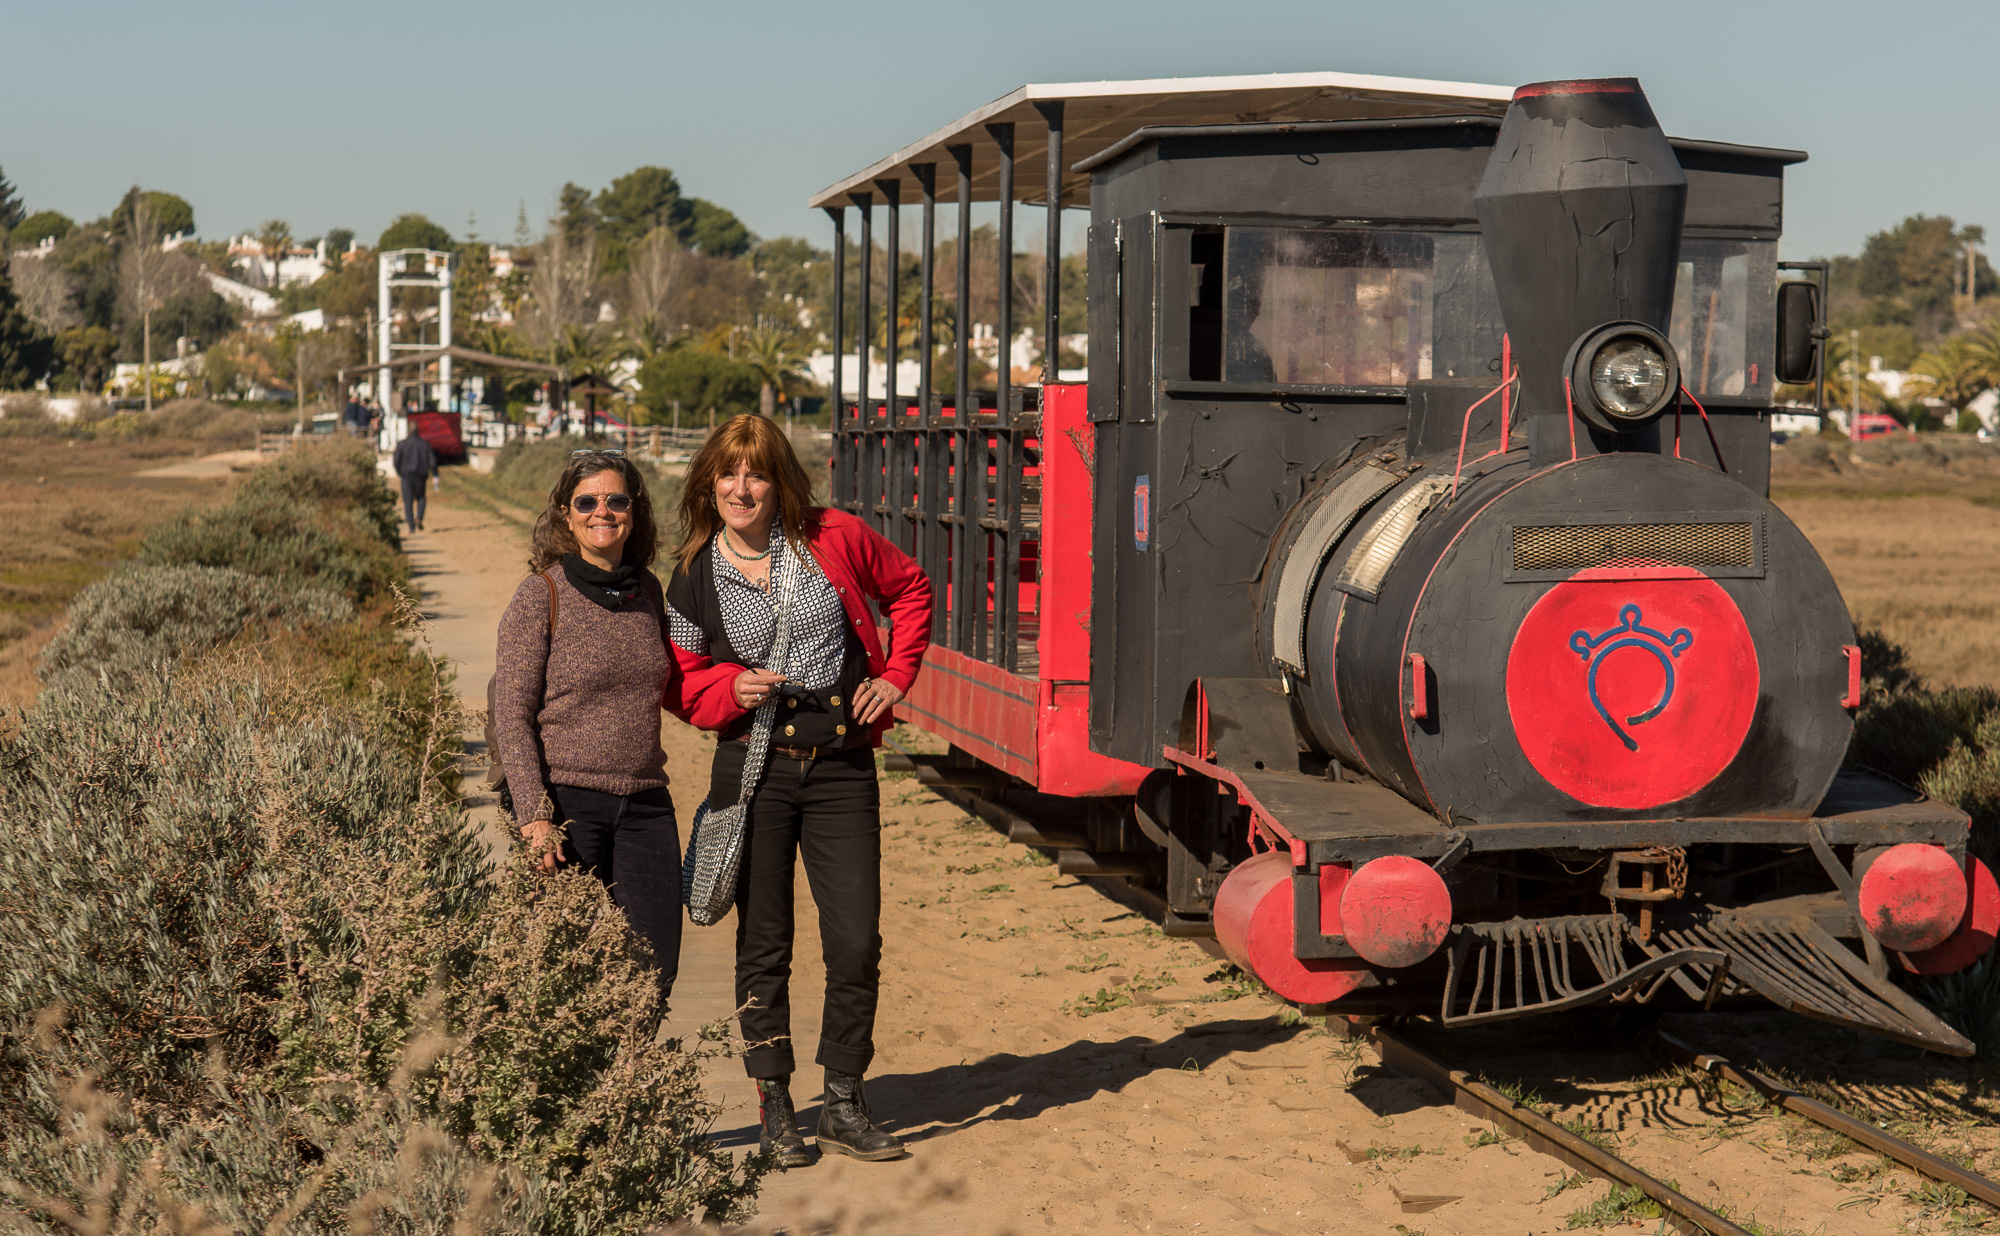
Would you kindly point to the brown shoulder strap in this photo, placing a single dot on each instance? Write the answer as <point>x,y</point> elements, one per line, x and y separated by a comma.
<point>659,592</point>
<point>554,604</point>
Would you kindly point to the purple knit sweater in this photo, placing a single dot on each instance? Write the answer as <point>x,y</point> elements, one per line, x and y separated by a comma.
<point>587,713</point>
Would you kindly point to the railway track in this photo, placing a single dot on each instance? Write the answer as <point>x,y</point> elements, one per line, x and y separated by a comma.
<point>1465,1090</point>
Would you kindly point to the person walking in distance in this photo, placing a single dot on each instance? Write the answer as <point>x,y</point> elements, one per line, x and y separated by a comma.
<point>416,465</point>
<point>582,664</point>
<point>752,549</point>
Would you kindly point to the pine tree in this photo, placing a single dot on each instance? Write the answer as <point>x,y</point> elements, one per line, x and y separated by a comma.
<point>12,211</point>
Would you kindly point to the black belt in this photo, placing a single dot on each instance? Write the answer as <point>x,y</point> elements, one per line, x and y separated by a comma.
<point>801,753</point>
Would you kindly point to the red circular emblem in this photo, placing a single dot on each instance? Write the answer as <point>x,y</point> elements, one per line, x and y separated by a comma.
<point>1632,686</point>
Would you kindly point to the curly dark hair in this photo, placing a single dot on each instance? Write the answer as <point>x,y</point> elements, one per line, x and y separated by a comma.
<point>758,441</point>
<point>553,538</point>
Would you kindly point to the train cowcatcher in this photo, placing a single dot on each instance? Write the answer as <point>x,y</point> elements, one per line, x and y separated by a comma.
<point>1399,601</point>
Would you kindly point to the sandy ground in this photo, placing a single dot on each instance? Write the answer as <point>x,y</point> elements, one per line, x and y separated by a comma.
<point>1059,1065</point>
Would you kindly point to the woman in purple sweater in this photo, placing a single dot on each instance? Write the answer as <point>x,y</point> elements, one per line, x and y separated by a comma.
<point>581,668</point>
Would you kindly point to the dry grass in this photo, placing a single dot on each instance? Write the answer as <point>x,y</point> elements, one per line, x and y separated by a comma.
<point>70,509</point>
<point>1912,534</point>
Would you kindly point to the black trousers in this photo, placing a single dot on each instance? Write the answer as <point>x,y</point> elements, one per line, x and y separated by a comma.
<point>632,844</point>
<point>829,812</point>
<point>413,499</point>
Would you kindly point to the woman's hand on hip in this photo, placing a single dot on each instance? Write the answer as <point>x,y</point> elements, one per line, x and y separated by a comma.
<point>543,842</point>
<point>754,686</point>
<point>874,698</point>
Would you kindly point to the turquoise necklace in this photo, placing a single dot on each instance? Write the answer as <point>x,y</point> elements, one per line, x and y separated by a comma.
<point>744,554</point>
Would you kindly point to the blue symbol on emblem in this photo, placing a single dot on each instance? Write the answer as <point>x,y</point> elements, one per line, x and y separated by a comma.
<point>1630,634</point>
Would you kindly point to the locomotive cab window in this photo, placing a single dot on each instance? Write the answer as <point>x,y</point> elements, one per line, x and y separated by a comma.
<point>1715,327</point>
<point>1326,307</point>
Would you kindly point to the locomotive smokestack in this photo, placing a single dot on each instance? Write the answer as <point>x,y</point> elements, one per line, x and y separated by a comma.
<point>1581,206</point>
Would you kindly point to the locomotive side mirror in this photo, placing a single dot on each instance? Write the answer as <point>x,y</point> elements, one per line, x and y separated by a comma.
<point>1622,375</point>
<point>1798,338</point>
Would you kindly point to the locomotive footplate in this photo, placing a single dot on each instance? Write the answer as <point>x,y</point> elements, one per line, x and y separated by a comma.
<point>1325,821</point>
<point>1784,951</point>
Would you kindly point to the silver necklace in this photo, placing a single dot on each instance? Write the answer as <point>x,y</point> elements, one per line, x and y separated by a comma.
<point>744,554</point>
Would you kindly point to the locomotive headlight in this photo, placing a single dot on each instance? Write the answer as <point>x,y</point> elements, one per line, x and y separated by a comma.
<point>1627,376</point>
<point>1622,375</point>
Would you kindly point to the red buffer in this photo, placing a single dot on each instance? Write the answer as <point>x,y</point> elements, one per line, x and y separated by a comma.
<point>1253,923</point>
<point>1395,911</point>
<point>1976,930</point>
<point>1913,897</point>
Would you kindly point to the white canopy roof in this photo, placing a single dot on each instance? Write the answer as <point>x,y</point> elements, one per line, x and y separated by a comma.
<point>1098,114</point>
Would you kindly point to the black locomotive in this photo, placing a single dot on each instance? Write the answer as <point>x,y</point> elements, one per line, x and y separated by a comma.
<point>1411,562</point>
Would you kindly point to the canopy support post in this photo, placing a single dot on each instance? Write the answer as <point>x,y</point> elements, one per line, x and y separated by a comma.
<point>1003,328</point>
<point>926,174</point>
<point>1052,112</point>
<point>839,216</point>
<point>963,405</point>
<point>932,465</point>
<point>866,202</point>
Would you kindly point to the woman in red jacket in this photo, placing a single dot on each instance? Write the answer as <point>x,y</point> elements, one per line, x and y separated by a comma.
<point>745,522</point>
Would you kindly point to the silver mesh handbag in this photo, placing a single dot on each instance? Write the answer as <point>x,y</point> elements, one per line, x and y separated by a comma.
<point>715,839</point>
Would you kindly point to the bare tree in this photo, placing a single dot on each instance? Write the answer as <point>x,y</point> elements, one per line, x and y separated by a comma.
<point>143,261</point>
<point>48,293</point>
<point>653,285</point>
<point>150,276</point>
<point>560,286</point>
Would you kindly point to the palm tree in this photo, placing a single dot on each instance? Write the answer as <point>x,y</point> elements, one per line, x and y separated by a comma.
<point>1951,373</point>
<point>275,239</point>
<point>1983,345</point>
<point>587,348</point>
<point>779,357</point>
<point>1843,370</point>
<point>643,335</point>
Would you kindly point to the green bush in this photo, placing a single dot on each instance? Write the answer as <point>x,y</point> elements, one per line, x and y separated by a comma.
<point>524,472</point>
<point>336,472</point>
<point>256,970</point>
<point>319,515</point>
<point>1944,741</point>
<point>143,615</point>
<point>276,957</point>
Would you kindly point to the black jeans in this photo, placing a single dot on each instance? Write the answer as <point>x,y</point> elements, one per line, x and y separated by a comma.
<point>829,811</point>
<point>413,500</point>
<point>632,844</point>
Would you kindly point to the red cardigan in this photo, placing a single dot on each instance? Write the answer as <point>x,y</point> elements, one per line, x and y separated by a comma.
<point>858,561</point>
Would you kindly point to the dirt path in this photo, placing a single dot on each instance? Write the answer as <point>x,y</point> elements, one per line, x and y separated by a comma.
<point>1059,1065</point>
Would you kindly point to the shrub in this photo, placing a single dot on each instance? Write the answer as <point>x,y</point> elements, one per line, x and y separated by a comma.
<point>318,515</point>
<point>27,416</point>
<point>1945,742</point>
<point>142,615</point>
<point>277,953</point>
<point>337,472</point>
<point>526,471</point>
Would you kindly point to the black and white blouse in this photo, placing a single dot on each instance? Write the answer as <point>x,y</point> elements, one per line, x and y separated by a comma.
<point>750,617</point>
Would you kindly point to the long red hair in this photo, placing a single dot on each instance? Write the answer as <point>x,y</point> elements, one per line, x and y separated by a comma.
<point>758,441</point>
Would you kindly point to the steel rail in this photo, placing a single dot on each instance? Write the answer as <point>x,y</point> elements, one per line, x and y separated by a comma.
<point>1476,1098</point>
<point>1784,1097</point>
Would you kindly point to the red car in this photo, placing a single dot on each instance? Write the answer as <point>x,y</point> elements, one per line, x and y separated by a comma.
<point>1870,425</point>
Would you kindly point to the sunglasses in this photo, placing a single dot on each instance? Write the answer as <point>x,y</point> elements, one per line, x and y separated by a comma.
<point>585,504</point>
<point>606,451</point>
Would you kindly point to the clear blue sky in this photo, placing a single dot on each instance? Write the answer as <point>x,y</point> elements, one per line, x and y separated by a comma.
<point>346,115</point>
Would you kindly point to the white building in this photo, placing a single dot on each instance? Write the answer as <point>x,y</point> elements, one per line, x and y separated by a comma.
<point>258,302</point>
<point>297,265</point>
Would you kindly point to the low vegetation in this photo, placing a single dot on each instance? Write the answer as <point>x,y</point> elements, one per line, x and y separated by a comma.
<point>262,975</point>
<point>318,516</point>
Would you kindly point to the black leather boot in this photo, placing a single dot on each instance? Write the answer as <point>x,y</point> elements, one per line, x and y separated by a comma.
<point>781,1124</point>
<point>844,1124</point>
